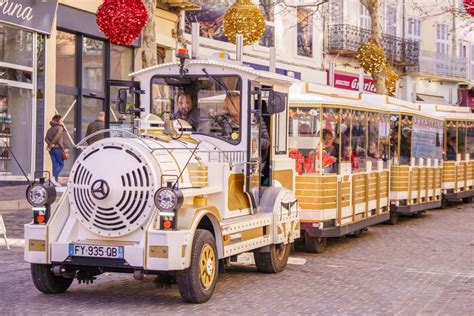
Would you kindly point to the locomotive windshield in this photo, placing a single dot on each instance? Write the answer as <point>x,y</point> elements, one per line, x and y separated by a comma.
<point>210,104</point>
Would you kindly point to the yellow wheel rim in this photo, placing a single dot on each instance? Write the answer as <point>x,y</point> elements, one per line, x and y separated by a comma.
<point>207,266</point>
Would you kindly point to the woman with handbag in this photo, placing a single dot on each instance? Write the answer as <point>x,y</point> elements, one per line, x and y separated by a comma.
<point>57,146</point>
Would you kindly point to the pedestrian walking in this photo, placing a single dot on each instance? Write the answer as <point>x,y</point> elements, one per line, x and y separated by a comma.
<point>57,146</point>
<point>96,126</point>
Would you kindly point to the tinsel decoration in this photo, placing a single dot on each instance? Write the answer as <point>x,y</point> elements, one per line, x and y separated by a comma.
<point>469,6</point>
<point>371,57</point>
<point>121,20</point>
<point>391,78</point>
<point>244,17</point>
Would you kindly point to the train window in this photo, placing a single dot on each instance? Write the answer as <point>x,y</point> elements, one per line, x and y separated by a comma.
<point>348,153</point>
<point>359,138</point>
<point>470,140</point>
<point>211,105</point>
<point>394,139</point>
<point>462,131</point>
<point>281,123</point>
<point>451,141</point>
<point>304,139</point>
<point>405,140</point>
<point>330,140</point>
<point>373,150</point>
<point>384,139</point>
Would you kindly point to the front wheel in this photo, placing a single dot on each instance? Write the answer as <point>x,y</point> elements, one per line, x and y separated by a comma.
<point>273,261</point>
<point>46,282</point>
<point>196,283</point>
<point>314,244</point>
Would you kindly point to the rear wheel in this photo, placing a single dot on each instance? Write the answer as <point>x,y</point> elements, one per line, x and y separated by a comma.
<point>467,199</point>
<point>197,283</point>
<point>393,220</point>
<point>46,282</point>
<point>314,244</point>
<point>444,203</point>
<point>273,261</point>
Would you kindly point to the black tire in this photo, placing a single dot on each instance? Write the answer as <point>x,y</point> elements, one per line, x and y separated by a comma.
<point>393,220</point>
<point>467,199</point>
<point>314,244</point>
<point>273,261</point>
<point>197,283</point>
<point>46,282</point>
<point>444,204</point>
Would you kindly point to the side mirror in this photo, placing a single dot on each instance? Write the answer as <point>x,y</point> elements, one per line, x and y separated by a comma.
<point>122,101</point>
<point>276,102</point>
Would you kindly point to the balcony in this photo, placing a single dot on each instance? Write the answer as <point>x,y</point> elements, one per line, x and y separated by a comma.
<point>345,39</point>
<point>440,65</point>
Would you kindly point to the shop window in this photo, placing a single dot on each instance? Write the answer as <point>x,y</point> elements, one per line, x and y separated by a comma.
<point>304,32</point>
<point>89,110</point>
<point>66,59</point>
<point>268,8</point>
<point>93,64</point>
<point>66,107</point>
<point>161,55</point>
<point>121,62</point>
<point>16,46</point>
<point>16,117</point>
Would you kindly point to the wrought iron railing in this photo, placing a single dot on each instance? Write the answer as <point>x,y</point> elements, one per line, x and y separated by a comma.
<point>431,63</point>
<point>346,39</point>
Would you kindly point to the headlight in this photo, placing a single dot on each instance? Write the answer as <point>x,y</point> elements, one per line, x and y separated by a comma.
<point>167,199</point>
<point>39,195</point>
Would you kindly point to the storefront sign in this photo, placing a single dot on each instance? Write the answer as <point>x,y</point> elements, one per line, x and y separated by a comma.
<point>36,15</point>
<point>351,82</point>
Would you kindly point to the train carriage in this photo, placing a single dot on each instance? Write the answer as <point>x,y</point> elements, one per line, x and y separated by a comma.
<point>173,199</point>
<point>458,151</point>
<point>416,158</point>
<point>341,149</point>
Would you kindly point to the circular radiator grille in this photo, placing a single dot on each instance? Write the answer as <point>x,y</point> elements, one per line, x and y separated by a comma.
<point>111,189</point>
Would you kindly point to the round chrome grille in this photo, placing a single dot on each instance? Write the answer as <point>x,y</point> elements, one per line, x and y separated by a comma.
<point>111,188</point>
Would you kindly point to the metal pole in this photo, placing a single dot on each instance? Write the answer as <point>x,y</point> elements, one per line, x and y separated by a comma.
<point>195,40</point>
<point>239,45</point>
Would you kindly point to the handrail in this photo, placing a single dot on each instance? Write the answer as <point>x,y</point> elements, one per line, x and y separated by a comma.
<point>103,131</point>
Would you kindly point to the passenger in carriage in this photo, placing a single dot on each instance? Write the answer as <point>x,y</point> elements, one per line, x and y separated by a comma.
<point>350,156</point>
<point>187,110</point>
<point>451,149</point>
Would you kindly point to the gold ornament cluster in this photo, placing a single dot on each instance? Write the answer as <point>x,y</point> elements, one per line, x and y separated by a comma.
<point>371,57</point>
<point>243,17</point>
<point>391,78</point>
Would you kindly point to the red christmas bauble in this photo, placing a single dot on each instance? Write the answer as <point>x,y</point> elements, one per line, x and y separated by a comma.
<point>121,20</point>
<point>469,6</point>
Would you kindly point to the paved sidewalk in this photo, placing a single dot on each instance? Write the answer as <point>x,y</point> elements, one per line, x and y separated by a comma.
<point>13,198</point>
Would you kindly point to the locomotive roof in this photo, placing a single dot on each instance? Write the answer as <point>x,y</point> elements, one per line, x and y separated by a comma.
<point>449,111</point>
<point>237,67</point>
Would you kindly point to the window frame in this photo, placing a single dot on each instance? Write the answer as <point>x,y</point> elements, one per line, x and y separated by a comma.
<point>200,76</point>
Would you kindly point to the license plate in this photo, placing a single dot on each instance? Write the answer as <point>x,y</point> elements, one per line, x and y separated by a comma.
<point>78,250</point>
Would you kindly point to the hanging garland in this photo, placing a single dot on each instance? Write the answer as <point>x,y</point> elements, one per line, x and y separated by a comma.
<point>469,6</point>
<point>121,20</point>
<point>391,78</point>
<point>371,57</point>
<point>244,17</point>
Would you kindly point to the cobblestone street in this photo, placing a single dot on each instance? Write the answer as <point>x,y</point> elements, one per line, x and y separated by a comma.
<point>420,266</point>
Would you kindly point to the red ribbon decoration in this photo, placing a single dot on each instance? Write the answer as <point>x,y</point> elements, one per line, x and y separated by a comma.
<point>121,20</point>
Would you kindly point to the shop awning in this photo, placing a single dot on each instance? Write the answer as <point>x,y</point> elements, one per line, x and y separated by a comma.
<point>431,99</point>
